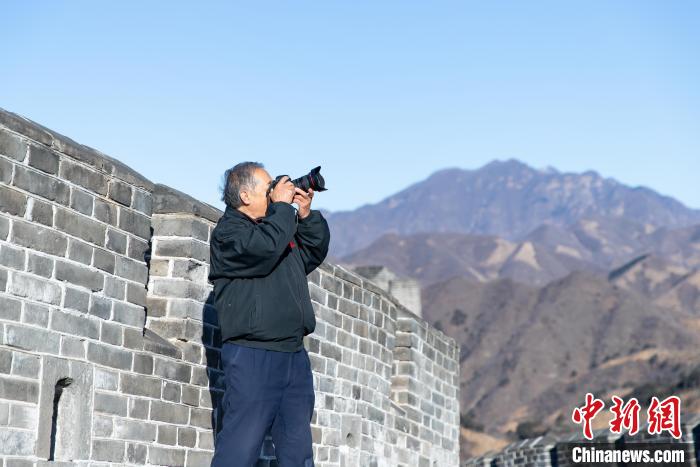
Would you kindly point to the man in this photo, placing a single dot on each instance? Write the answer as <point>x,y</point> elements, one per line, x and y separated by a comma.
<point>261,251</point>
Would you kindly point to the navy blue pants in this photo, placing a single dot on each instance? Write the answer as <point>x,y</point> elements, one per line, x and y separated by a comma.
<point>265,389</point>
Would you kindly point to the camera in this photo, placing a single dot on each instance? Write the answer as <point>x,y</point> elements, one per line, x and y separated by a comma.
<point>311,180</point>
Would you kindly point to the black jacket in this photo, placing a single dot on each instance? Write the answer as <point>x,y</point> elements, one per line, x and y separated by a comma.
<point>258,268</point>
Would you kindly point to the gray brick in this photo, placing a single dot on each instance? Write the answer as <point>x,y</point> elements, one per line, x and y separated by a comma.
<point>143,364</point>
<point>81,226</point>
<point>76,300</point>
<point>157,307</point>
<point>100,307</point>
<point>108,356</point>
<point>3,280</point>
<point>4,414</point>
<point>116,241</point>
<point>17,443</point>
<point>106,211</point>
<point>32,287</point>
<point>142,201</point>
<point>6,171</point>
<point>41,184</point>
<point>200,376</point>
<point>43,159</point>
<point>132,270</point>
<point>39,238</point>
<point>108,450</point>
<point>133,339</point>
<point>12,146</point>
<point>190,395</point>
<point>12,201</point>
<point>80,251</point>
<point>137,249</point>
<point>191,270</point>
<point>72,347</point>
<point>138,408</point>
<point>22,416</point>
<point>171,391</point>
<point>111,333</point>
<point>18,390</point>
<point>206,440</point>
<point>169,413</point>
<point>171,226</point>
<point>186,437</point>
<point>332,284</point>
<point>83,176</point>
<point>40,265</point>
<point>134,430</point>
<point>104,260</point>
<point>128,314</point>
<point>136,453</point>
<point>135,223</point>
<point>35,314</point>
<point>183,248</point>
<point>172,370</point>
<point>80,275</point>
<point>140,385</point>
<point>164,456</point>
<point>199,458</point>
<point>159,267</point>
<point>81,201</point>
<point>167,435</point>
<point>5,361</point>
<point>10,309</point>
<point>4,227</point>
<point>136,294</point>
<point>102,426</point>
<point>110,403</point>
<point>26,365</point>
<point>200,417</point>
<point>77,325</point>
<point>120,192</point>
<point>106,379</point>
<point>40,211</point>
<point>178,288</point>
<point>12,257</point>
<point>114,288</point>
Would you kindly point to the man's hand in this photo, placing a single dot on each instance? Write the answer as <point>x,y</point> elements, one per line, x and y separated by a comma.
<point>283,191</point>
<point>303,200</point>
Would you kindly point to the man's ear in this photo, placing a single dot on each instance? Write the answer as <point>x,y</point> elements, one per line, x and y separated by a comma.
<point>245,197</point>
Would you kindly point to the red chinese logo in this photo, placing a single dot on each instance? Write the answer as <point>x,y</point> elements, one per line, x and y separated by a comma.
<point>665,415</point>
<point>586,413</point>
<point>625,417</point>
<point>662,416</point>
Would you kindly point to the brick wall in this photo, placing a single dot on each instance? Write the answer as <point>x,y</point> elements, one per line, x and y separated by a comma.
<point>109,344</point>
<point>556,451</point>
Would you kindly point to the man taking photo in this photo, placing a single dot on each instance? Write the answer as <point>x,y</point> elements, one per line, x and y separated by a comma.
<point>261,251</point>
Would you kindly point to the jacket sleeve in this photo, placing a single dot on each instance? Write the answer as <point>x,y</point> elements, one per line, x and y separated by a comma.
<point>249,250</point>
<point>313,237</point>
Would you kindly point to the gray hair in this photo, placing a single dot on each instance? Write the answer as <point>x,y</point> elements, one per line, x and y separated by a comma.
<point>238,177</point>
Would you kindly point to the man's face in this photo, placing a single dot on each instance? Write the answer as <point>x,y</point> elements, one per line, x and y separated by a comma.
<point>258,196</point>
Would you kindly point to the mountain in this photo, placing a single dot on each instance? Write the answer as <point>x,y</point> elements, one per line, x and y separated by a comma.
<point>548,252</point>
<point>435,257</point>
<point>505,198</point>
<point>529,354</point>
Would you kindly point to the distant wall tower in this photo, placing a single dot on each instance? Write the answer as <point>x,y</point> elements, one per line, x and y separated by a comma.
<point>405,290</point>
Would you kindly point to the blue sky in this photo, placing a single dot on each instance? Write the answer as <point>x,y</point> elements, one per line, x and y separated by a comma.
<point>381,94</point>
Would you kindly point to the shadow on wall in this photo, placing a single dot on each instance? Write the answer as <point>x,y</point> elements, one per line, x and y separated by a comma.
<point>211,337</point>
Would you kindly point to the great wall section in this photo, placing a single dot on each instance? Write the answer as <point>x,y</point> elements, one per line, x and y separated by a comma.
<point>109,346</point>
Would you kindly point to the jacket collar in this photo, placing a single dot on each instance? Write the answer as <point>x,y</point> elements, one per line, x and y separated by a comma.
<point>236,213</point>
